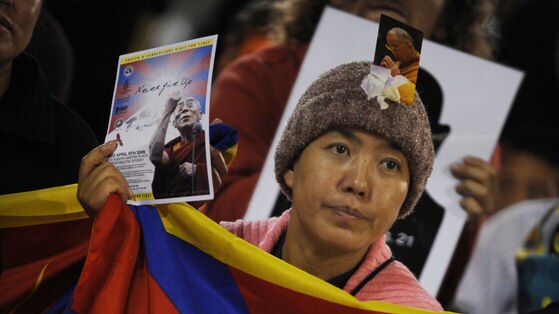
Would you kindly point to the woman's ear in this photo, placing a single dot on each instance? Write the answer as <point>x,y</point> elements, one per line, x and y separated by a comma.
<point>288,177</point>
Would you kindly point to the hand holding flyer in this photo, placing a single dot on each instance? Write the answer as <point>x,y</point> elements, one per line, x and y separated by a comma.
<point>159,117</point>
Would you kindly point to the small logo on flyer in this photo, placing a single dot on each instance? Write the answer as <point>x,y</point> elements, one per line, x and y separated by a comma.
<point>128,70</point>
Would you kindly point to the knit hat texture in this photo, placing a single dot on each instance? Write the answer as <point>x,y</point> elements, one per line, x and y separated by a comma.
<point>336,100</point>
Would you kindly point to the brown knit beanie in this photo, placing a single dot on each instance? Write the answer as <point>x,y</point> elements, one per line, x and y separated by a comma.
<point>336,100</point>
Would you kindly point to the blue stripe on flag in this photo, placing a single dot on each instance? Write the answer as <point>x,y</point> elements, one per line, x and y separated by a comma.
<point>62,305</point>
<point>194,281</point>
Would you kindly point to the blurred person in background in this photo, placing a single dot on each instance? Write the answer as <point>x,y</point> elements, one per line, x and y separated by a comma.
<point>526,160</point>
<point>258,85</point>
<point>50,138</point>
<point>248,32</point>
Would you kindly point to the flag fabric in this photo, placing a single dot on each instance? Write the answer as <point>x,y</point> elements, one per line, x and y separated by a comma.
<point>173,259</point>
<point>44,237</point>
<point>224,138</point>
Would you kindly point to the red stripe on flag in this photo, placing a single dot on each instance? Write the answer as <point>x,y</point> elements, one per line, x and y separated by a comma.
<point>26,251</point>
<point>262,296</point>
<point>113,251</point>
<point>115,277</point>
<point>146,295</point>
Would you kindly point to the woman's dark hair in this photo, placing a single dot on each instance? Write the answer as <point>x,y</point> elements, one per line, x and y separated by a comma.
<point>294,21</point>
<point>462,24</point>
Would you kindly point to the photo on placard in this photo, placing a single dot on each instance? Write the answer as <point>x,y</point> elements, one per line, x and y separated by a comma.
<point>398,48</point>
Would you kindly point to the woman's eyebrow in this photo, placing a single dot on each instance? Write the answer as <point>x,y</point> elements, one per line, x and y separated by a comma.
<point>394,146</point>
<point>350,135</point>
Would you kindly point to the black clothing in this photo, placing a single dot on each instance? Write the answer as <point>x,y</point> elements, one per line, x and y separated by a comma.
<point>43,140</point>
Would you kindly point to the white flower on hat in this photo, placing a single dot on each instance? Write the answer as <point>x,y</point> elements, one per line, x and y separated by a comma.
<point>381,84</point>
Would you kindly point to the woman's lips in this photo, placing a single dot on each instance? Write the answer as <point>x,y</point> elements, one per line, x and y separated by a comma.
<point>347,211</point>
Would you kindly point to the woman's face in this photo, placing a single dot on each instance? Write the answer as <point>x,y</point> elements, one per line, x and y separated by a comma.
<point>348,186</point>
<point>17,21</point>
<point>420,14</point>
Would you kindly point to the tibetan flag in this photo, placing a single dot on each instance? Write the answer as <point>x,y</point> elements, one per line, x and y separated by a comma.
<point>173,259</point>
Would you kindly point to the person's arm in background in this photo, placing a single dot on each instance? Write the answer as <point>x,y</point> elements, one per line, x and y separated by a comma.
<point>477,186</point>
<point>250,95</point>
<point>483,287</point>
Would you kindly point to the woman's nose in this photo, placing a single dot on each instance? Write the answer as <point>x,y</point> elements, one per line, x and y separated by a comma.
<point>359,178</point>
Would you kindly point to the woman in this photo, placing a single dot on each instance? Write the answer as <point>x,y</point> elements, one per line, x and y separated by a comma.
<point>350,168</point>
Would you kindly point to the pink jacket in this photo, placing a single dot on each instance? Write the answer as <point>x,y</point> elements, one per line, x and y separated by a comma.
<point>394,284</point>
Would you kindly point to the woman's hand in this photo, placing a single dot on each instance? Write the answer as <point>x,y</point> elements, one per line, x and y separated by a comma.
<point>98,178</point>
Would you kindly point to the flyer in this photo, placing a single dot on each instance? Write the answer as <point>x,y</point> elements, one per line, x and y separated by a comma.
<point>159,117</point>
